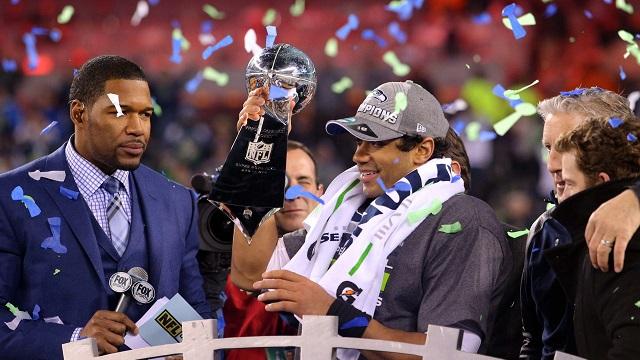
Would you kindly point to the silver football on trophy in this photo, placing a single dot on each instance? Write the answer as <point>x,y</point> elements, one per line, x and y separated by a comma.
<point>288,68</point>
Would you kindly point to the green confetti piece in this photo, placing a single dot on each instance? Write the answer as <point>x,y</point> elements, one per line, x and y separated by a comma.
<point>525,20</point>
<point>514,94</point>
<point>211,74</point>
<point>297,8</point>
<point>269,17</point>
<point>361,259</point>
<point>213,12</point>
<point>626,36</point>
<point>517,234</point>
<point>14,310</point>
<point>341,85</point>
<point>157,110</point>
<point>473,130</point>
<point>637,304</point>
<point>550,206</point>
<point>622,5</point>
<point>184,43</point>
<point>523,109</point>
<point>456,227</point>
<point>56,271</point>
<point>399,69</point>
<point>419,215</point>
<point>331,47</point>
<point>401,102</point>
<point>66,14</point>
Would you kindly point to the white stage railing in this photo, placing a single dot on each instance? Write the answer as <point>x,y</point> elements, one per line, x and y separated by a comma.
<point>318,341</point>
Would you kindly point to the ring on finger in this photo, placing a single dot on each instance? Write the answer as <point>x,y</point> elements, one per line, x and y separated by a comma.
<point>607,243</point>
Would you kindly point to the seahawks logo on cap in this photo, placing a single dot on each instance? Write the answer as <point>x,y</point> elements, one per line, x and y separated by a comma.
<point>363,129</point>
<point>378,94</point>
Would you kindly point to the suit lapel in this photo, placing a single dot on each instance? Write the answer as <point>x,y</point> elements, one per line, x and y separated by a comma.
<point>149,205</point>
<point>76,213</point>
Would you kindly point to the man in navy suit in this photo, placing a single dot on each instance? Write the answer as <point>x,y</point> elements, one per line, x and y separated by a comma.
<point>71,219</point>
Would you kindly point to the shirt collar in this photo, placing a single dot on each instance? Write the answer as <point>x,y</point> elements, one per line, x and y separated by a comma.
<point>89,177</point>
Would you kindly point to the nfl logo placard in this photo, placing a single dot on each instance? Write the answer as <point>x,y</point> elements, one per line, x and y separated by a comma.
<point>258,152</point>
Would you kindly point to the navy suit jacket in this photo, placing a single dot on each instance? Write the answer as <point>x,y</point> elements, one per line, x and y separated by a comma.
<point>29,274</point>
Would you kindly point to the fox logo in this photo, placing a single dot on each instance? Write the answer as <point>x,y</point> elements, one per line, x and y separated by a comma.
<point>348,291</point>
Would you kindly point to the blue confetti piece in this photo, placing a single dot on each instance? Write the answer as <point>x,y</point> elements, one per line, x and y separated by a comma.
<point>176,44</point>
<point>404,9</point>
<point>397,33</point>
<point>588,14</point>
<point>192,85</point>
<point>360,321</point>
<point>68,193</point>
<point>29,41</point>
<point>15,2</point>
<point>487,135</point>
<point>481,19</point>
<point>579,91</point>
<point>49,127</point>
<point>615,122</point>
<point>55,35</point>
<point>153,2</point>
<point>352,24</point>
<point>9,65</point>
<point>369,34</point>
<point>381,184</point>
<point>35,315</point>
<point>458,126</point>
<point>297,191</point>
<point>499,90</point>
<point>226,41</point>
<point>631,137</point>
<point>175,23</point>
<point>39,31</point>
<point>622,73</point>
<point>206,26</point>
<point>456,178</point>
<point>510,11</point>
<point>53,242</point>
<point>608,1</point>
<point>550,10</point>
<point>75,72</point>
<point>271,36</point>
<point>277,92</point>
<point>17,194</point>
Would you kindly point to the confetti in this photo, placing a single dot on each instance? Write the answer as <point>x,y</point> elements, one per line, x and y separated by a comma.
<point>36,312</point>
<point>404,8</point>
<point>624,6</point>
<point>192,85</point>
<point>486,135</point>
<point>142,10</point>
<point>176,46</point>
<point>397,33</point>
<point>39,31</point>
<point>115,100</point>
<point>632,46</point>
<point>352,24</point>
<point>550,10</point>
<point>66,14</point>
<point>637,304</point>
<point>498,90</point>
<point>615,122</point>
<point>269,17</point>
<point>472,131</point>
<point>455,107</point>
<point>68,193</point>
<point>369,34</point>
<point>481,19</point>
<point>157,110</point>
<point>524,109</point>
<point>55,175</point>
<point>48,127</point>
<point>525,20</point>
<point>56,271</point>
<point>400,102</point>
<point>13,309</point>
<point>17,194</point>
<point>211,74</point>
<point>297,191</point>
<point>342,85</point>
<point>458,126</point>
<point>588,14</point>
<point>456,227</point>
<point>331,47</point>
<point>9,65</point>
<point>226,41</point>
<point>622,73</point>
<point>467,66</point>
<point>419,215</point>
<point>29,41</point>
<point>631,137</point>
<point>455,178</point>
<point>55,35</point>
<point>251,43</point>
<point>21,315</point>
<point>518,30</point>
<point>297,8</point>
<point>213,12</point>
<point>514,94</point>
<point>381,184</point>
<point>271,36</point>
<point>517,234</point>
<point>399,69</point>
<point>53,242</point>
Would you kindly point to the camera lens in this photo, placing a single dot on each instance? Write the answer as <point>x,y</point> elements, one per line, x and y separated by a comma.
<point>216,229</point>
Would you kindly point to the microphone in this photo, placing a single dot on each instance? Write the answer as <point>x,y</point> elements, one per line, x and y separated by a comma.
<point>121,282</point>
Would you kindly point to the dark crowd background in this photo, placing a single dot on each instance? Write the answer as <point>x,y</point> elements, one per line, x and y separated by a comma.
<point>451,49</point>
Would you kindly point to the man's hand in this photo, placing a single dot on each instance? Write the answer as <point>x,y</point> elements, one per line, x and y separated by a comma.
<point>616,221</point>
<point>252,107</point>
<point>293,293</point>
<point>108,328</point>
